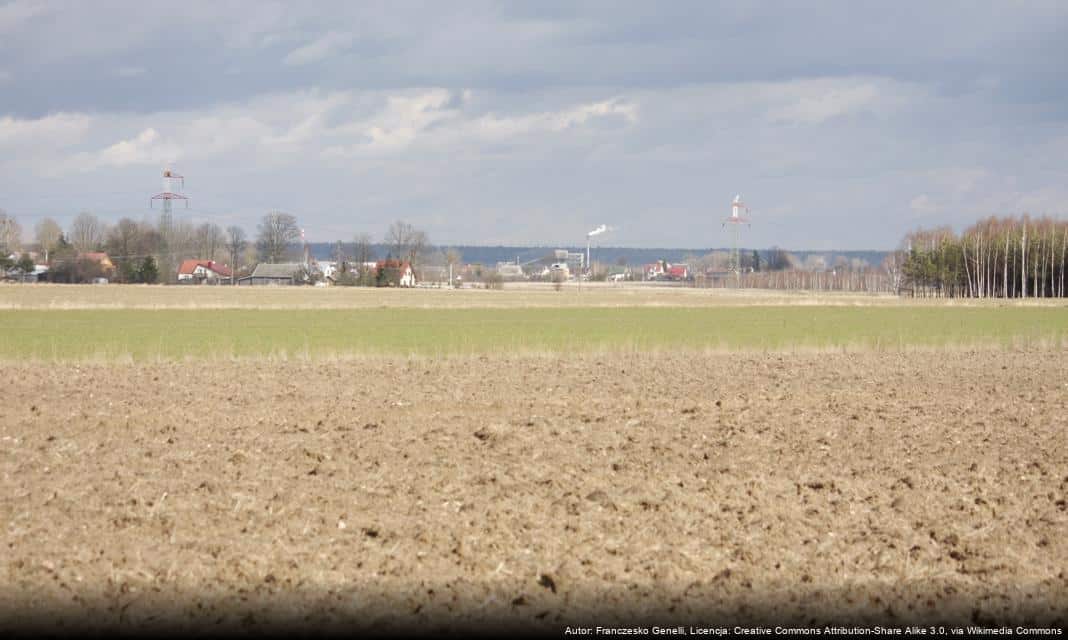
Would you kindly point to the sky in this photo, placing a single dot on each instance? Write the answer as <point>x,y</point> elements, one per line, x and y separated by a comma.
<point>843,125</point>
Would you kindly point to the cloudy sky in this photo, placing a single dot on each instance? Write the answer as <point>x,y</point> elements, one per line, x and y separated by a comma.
<point>842,126</point>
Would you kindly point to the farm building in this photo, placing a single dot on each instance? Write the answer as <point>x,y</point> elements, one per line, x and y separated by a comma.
<point>200,271</point>
<point>282,273</point>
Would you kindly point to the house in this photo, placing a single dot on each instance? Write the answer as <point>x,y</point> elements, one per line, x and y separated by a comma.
<point>198,271</point>
<point>282,273</point>
<point>330,271</point>
<point>678,271</point>
<point>654,270</point>
<point>661,270</point>
<point>99,258</point>
<point>394,273</point>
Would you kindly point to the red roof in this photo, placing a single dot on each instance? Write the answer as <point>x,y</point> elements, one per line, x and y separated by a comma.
<point>189,266</point>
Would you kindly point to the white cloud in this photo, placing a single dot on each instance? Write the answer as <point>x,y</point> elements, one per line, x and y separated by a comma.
<point>484,164</point>
<point>58,129</point>
<point>328,44</point>
<point>818,100</point>
<point>493,126</point>
<point>129,72</point>
<point>142,149</point>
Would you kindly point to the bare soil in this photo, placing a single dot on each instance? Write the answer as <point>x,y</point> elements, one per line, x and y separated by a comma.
<point>537,491</point>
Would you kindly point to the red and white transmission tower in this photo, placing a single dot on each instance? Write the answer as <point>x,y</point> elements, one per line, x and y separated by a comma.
<point>166,217</point>
<point>736,221</point>
<point>168,196</point>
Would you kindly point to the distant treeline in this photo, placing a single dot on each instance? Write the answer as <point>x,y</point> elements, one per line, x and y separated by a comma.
<point>995,258</point>
<point>491,255</point>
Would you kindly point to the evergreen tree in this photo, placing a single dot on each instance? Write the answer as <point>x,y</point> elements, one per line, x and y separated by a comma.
<point>149,272</point>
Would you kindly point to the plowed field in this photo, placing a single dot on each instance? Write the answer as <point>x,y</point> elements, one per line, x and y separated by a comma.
<point>537,491</point>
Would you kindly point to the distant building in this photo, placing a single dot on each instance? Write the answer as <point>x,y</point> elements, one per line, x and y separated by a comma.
<point>394,273</point>
<point>678,271</point>
<point>510,271</point>
<point>575,260</point>
<point>198,271</point>
<point>39,273</point>
<point>281,273</point>
<point>661,270</point>
<point>99,258</point>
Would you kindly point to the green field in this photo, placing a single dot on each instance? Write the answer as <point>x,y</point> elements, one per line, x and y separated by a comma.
<point>143,334</point>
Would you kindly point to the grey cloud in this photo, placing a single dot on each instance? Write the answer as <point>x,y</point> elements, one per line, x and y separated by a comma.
<point>844,125</point>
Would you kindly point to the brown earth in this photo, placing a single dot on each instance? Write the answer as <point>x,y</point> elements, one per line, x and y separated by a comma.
<point>894,488</point>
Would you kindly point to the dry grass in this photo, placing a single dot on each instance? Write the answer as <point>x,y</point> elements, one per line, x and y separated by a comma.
<point>514,295</point>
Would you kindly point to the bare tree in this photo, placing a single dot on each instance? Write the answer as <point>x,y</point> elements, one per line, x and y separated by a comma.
<point>892,265</point>
<point>10,234</point>
<point>405,241</point>
<point>276,232</point>
<point>453,258</point>
<point>361,255</point>
<point>48,232</point>
<point>87,232</point>
<point>235,244</point>
<point>209,239</point>
<point>362,252</point>
<point>124,239</point>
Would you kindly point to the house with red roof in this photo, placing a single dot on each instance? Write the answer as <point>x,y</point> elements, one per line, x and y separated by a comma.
<point>199,271</point>
<point>394,273</point>
<point>678,271</point>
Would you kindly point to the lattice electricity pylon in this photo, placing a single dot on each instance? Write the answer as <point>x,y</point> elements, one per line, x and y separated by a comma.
<point>169,194</point>
<point>736,221</point>
<point>166,218</point>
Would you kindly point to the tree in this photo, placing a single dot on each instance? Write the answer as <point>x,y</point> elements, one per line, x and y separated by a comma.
<point>209,239</point>
<point>47,233</point>
<point>10,234</point>
<point>453,258</point>
<point>86,232</point>
<point>777,260</point>
<point>25,264</point>
<point>235,244</point>
<point>276,232</point>
<point>405,241</point>
<point>123,245</point>
<point>149,272</point>
<point>362,255</point>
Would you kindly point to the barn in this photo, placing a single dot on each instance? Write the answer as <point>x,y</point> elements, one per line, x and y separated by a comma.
<point>281,273</point>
